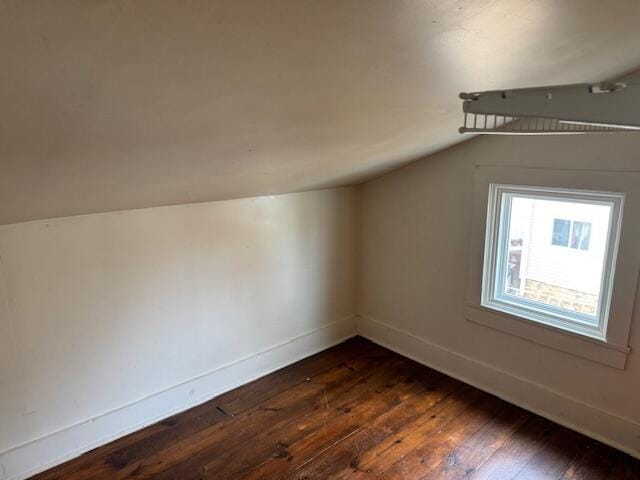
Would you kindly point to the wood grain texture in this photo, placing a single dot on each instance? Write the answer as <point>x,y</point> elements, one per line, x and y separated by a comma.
<point>356,411</point>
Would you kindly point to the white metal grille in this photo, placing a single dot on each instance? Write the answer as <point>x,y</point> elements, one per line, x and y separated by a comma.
<point>506,125</point>
<point>560,109</point>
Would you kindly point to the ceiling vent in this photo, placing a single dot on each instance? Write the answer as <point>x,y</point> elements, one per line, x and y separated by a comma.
<point>565,109</point>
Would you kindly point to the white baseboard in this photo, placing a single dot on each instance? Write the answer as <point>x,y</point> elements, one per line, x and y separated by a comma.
<point>605,427</point>
<point>43,453</point>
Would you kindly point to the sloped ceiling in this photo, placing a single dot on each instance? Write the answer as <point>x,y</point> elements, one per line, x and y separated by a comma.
<point>110,105</point>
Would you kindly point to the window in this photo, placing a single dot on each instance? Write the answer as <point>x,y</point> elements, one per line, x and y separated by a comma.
<point>580,234</point>
<point>557,296</point>
<point>561,232</point>
<point>528,276</point>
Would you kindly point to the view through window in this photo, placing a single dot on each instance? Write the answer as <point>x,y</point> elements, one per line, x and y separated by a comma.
<point>555,261</point>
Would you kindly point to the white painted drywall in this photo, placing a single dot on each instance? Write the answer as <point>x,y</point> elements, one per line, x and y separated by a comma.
<point>100,99</point>
<point>105,318</point>
<point>415,231</point>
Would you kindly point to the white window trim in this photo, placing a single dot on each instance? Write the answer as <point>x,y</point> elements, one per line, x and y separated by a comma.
<point>498,213</point>
<point>611,349</point>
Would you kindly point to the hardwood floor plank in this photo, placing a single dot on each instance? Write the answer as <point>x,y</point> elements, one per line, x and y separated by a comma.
<point>555,456</point>
<point>471,454</point>
<point>371,455</point>
<point>380,388</point>
<point>593,462</point>
<point>624,468</point>
<point>372,450</point>
<point>353,412</point>
<point>431,450</point>
<point>512,457</point>
<point>258,391</point>
<point>424,394</point>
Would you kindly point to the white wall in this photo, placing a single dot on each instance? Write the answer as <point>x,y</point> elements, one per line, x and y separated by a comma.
<point>111,321</point>
<point>413,271</point>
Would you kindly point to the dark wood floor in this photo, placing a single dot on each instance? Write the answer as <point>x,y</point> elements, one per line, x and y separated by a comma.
<point>355,411</point>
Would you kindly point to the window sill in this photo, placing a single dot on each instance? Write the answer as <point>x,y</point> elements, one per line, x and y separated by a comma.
<point>594,349</point>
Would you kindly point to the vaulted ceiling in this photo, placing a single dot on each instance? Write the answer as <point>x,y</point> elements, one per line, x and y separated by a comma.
<point>110,105</point>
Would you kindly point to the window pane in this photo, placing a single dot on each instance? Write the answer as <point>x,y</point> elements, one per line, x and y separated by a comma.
<point>561,232</point>
<point>580,235</point>
<point>536,270</point>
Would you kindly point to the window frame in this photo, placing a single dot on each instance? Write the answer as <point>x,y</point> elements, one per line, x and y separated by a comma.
<point>494,268</point>
<point>614,349</point>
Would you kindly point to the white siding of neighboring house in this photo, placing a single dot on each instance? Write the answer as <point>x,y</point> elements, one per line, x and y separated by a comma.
<point>558,265</point>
